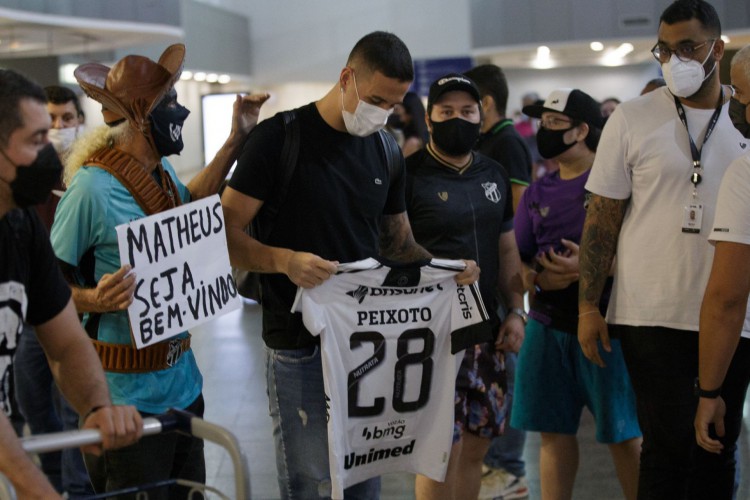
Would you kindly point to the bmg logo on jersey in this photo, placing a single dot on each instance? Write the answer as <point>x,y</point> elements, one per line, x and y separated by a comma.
<point>393,430</point>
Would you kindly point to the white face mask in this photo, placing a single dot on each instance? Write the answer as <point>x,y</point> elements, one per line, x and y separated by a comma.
<point>366,119</point>
<point>685,78</point>
<point>62,138</point>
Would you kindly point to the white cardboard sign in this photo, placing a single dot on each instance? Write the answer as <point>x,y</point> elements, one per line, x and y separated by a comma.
<point>181,262</point>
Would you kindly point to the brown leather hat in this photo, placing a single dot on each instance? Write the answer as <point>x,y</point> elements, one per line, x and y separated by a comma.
<point>134,85</point>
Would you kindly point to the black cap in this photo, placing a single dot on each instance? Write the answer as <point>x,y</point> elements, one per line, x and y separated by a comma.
<point>450,82</point>
<point>573,103</point>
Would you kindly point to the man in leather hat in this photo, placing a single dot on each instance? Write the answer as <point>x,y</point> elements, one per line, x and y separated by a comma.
<point>33,290</point>
<point>117,174</point>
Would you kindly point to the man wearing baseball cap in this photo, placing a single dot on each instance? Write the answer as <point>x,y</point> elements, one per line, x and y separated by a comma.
<point>554,379</point>
<point>460,206</point>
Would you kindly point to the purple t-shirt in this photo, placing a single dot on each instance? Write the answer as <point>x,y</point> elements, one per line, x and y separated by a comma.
<point>552,209</point>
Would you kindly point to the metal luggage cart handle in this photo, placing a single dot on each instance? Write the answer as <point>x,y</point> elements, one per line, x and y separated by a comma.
<point>173,420</point>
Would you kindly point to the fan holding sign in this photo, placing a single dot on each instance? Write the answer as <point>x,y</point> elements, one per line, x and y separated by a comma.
<point>116,176</point>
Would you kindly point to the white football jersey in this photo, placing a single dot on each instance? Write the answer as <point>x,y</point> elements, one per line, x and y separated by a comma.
<point>388,335</point>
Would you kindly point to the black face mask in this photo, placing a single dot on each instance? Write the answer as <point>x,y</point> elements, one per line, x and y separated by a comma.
<point>551,143</point>
<point>455,136</point>
<point>166,126</point>
<point>33,183</point>
<point>738,115</point>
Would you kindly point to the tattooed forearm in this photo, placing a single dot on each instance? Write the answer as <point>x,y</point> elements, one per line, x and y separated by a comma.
<point>598,246</point>
<point>397,241</point>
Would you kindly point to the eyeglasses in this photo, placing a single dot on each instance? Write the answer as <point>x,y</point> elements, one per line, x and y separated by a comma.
<point>685,52</point>
<point>554,123</point>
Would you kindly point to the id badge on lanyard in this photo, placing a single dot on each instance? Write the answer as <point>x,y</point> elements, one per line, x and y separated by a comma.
<point>692,212</point>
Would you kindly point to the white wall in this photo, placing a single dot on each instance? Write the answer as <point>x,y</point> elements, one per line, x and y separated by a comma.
<point>309,40</point>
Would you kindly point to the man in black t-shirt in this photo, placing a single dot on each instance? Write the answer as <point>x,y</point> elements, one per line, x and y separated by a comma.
<point>33,289</point>
<point>342,204</point>
<point>499,139</point>
<point>459,204</point>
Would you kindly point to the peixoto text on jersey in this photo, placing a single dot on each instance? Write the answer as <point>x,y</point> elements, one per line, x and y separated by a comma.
<point>407,315</point>
<point>394,316</point>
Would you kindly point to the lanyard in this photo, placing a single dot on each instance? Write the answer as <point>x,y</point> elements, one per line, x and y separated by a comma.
<point>695,177</point>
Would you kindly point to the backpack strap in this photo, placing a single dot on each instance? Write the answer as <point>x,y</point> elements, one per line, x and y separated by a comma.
<point>287,163</point>
<point>392,152</point>
<point>150,196</point>
<point>248,283</point>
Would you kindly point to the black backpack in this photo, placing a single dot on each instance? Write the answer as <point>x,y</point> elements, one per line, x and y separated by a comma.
<point>248,282</point>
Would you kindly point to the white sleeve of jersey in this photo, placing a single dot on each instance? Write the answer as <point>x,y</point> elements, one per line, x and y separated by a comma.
<point>305,299</point>
<point>312,315</point>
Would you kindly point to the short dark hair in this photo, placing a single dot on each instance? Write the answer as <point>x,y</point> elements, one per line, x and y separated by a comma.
<point>57,94</point>
<point>685,10</point>
<point>417,127</point>
<point>491,81</point>
<point>592,139</point>
<point>384,52</point>
<point>13,88</point>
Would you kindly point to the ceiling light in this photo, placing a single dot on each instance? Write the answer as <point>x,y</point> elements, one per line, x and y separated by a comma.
<point>212,78</point>
<point>725,38</point>
<point>199,76</point>
<point>616,57</point>
<point>625,49</point>
<point>224,79</point>
<point>186,75</point>
<point>597,46</point>
<point>542,60</point>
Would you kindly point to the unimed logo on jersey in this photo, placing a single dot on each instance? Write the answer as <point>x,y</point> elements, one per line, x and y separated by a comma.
<point>376,454</point>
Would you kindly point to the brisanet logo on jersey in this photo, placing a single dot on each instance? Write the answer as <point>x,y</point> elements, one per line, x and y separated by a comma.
<point>362,291</point>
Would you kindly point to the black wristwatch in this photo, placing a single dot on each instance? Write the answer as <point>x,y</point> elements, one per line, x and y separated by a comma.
<point>520,312</point>
<point>700,393</point>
